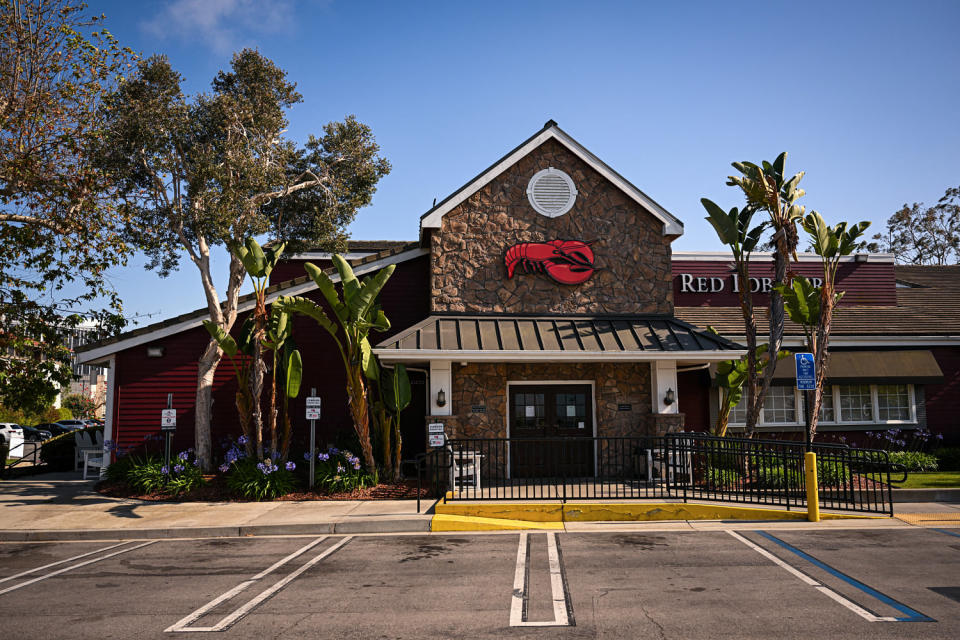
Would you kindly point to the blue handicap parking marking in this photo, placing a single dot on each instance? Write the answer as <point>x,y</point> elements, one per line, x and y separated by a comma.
<point>947,531</point>
<point>911,615</point>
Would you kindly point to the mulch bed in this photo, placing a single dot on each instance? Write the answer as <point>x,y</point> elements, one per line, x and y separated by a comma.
<point>216,490</point>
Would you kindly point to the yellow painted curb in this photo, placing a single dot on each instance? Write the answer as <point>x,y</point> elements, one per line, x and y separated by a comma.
<point>675,511</point>
<point>444,522</point>
<point>623,512</point>
<point>531,512</point>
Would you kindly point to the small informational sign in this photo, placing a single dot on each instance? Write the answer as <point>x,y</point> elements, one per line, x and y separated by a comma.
<point>436,439</point>
<point>580,425</point>
<point>478,408</point>
<point>435,427</point>
<point>168,418</point>
<point>313,402</point>
<point>571,411</point>
<point>624,407</point>
<point>806,373</point>
<point>530,411</point>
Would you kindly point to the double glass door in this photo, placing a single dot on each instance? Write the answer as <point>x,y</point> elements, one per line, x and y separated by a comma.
<point>558,422</point>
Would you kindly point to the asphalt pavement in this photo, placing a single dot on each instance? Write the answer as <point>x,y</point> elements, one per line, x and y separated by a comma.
<point>748,583</point>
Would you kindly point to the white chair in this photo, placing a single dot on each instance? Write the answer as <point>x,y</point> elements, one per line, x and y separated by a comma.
<point>83,443</point>
<point>92,458</point>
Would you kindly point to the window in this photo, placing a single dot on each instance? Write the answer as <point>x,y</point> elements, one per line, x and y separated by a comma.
<point>780,406</point>
<point>893,402</point>
<point>856,403</point>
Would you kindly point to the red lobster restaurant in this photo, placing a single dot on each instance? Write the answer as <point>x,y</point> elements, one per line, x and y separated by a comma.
<point>543,299</point>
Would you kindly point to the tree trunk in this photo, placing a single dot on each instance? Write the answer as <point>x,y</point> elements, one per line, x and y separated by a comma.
<point>357,399</point>
<point>274,448</point>
<point>775,341</point>
<point>750,327</point>
<point>397,445</point>
<point>206,369</point>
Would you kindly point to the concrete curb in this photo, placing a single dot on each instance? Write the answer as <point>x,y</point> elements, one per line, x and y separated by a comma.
<point>925,495</point>
<point>396,525</point>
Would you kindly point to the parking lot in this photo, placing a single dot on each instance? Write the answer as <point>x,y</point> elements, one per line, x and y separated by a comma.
<point>619,584</point>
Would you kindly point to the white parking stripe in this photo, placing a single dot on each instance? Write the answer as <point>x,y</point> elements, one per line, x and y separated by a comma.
<point>825,590</point>
<point>53,564</point>
<point>558,587</point>
<point>224,624</point>
<point>75,566</point>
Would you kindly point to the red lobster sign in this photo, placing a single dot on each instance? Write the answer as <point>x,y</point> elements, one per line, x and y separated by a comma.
<point>563,261</point>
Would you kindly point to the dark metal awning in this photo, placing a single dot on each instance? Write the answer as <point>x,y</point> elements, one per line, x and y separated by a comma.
<point>573,338</point>
<point>853,367</point>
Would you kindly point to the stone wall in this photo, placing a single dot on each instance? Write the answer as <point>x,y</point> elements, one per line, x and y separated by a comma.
<point>632,255</point>
<point>485,385</point>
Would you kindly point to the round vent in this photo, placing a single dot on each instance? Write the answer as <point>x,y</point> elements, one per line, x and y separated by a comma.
<point>551,192</point>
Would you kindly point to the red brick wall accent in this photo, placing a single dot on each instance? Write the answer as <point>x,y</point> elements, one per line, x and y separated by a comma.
<point>468,272</point>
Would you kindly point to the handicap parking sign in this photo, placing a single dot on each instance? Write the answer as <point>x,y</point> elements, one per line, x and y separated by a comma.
<point>806,372</point>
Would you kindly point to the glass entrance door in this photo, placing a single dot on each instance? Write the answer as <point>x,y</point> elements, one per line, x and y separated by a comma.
<point>558,422</point>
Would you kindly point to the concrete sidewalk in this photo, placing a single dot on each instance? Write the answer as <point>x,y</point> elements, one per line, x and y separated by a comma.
<point>59,506</point>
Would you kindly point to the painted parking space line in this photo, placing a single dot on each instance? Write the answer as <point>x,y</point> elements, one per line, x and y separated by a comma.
<point>947,531</point>
<point>53,564</point>
<point>182,625</point>
<point>562,607</point>
<point>911,614</point>
<point>71,567</point>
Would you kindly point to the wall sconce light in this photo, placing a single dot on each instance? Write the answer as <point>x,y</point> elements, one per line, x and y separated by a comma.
<point>861,257</point>
<point>154,352</point>
<point>441,398</point>
<point>669,398</point>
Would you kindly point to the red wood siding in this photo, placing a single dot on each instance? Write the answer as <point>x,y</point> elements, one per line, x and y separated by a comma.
<point>943,400</point>
<point>142,383</point>
<point>864,283</point>
<point>693,397</point>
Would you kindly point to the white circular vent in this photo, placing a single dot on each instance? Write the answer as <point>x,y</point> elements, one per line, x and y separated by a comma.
<point>551,192</point>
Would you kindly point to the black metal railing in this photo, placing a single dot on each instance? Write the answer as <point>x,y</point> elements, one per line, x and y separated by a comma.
<point>683,466</point>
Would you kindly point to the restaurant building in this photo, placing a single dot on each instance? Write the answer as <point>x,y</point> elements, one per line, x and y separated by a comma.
<point>542,298</point>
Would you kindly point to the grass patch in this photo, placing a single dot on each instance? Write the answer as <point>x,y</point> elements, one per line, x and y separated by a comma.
<point>931,480</point>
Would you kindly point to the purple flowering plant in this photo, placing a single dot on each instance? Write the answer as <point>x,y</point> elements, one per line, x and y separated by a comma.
<point>340,471</point>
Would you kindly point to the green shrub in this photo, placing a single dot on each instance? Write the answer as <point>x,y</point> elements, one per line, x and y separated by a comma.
<point>117,471</point>
<point>146,474</point>
<point>831,473</point>
<point>259,480</point>
<point>948,458</point>
<point>721,478</point>
<point>915,460</point>
<point>341,472</point>
<point>771,477</point>
<point>79,405</point>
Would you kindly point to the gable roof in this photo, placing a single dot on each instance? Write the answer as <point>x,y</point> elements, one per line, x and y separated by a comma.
<point>96,351</point>
<point>672,226</point>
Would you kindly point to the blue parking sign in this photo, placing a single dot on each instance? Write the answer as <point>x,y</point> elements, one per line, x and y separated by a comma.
<point>806,372</point>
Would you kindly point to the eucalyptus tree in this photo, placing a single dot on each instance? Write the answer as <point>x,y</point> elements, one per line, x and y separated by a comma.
<point>216,168</point>
<point>58,229</point>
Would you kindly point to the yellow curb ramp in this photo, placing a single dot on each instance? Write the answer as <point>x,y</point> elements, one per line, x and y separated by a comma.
<point>446,522</point>
<point>930,519</point>
<point>622,512</point>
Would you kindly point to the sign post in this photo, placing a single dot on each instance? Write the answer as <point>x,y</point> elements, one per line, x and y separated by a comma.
<point>313,414</point>
<point>806,382</point>
<point>168,425</point>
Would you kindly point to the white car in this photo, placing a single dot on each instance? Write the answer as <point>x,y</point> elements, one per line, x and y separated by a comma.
<point>7,429</point>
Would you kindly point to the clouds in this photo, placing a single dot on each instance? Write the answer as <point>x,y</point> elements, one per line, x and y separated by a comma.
<point>225,26</point>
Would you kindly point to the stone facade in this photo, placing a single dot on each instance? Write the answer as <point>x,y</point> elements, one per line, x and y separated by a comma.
<point>485,385</point>
<point>632,254</point>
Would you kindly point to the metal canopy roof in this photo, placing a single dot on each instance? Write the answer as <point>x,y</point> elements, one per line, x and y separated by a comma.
<point>587,338</point>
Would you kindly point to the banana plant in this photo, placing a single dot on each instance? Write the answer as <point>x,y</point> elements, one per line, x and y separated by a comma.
<point>240,353</point>
<point>813,307</point>
<point>735,229</point>
<point>258,262</point>
<point>354,315</point>
<point>393,386</point>
<point>288,365</point>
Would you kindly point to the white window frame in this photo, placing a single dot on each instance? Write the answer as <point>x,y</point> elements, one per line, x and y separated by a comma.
<point>837,421</point>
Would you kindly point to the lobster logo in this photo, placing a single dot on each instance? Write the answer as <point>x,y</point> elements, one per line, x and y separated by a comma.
<point>563,261</point>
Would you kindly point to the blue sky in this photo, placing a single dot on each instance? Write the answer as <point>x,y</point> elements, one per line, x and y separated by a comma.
<point>863,95</point>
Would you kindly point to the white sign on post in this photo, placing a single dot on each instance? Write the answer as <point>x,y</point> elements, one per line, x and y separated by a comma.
<point>436,439</point>
<point>435,427</point>
<point>168,418</point>
<point>313,413</point>
<point>313,402</point>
